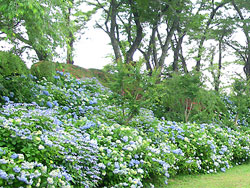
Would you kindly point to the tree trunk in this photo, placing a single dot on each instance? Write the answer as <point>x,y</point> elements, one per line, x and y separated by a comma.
<point>70,49</point>
<point>247,68</point>
<point>246,31</point>
<point>137,41</point>
<point>41,54</point>
<point>70,40</point>
<point>176,58</point>
<point>217,81</point>
<point>204,37</point>
<point>177,50</point>
<point>149,51</point>
<point>114,41</point>
<point>166,44</point>
<point>184,63</point>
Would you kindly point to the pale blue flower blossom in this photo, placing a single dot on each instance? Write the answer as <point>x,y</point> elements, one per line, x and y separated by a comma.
<point>14,156</point>
<point>3,175</point>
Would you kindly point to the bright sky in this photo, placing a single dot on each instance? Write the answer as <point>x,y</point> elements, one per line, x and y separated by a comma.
<point>93,51</point>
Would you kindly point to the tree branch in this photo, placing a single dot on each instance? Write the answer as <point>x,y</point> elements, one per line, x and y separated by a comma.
<point>237,50</point>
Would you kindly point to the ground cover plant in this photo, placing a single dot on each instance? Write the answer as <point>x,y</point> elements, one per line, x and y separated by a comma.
<point>67,133</point>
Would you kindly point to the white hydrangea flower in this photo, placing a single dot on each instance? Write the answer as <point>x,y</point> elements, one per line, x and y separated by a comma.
<point>21,156</point>
<point>50,180</point>
<point>40,147</point>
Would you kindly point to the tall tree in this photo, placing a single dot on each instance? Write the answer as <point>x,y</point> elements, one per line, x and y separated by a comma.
<point>76,19</point>
<point>221,29</point>
<point>213,7</point>
<point>123,25</point>
<point>189,21</point>
<point>243,19</point>
<point>36,25</point>
<point>163,21</point>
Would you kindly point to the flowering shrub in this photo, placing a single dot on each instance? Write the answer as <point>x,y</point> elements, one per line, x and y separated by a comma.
<point>43,136</point>
<point>69,136</point>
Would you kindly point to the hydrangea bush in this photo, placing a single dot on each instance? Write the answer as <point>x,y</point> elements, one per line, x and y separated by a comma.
<point>69,136</point>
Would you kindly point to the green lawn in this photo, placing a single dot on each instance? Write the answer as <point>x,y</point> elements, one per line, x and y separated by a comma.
<point>237,177</point>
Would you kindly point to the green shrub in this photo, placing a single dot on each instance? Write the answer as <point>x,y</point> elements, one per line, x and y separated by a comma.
<point>132,87</point>
<point>182,98</point>
<point>238,103</point>
<point>45,69</point>
<point>70,138</point>
<point>11,64</point>
<point>209,107</point>
<point>17,89</point>
<point>177,96</point>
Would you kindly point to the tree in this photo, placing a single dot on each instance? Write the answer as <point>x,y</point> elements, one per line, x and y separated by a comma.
<point>127,24</point>
<point>243,21</point>
<point>221,29</point>
<point>122,23</point>
<point>213,7</point>
<point>76,20</point>
<point>159,40</point>
<point>35,25</point>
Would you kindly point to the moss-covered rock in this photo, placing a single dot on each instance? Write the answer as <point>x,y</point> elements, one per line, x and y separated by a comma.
<point>45,69</point>
<point>11,64</point>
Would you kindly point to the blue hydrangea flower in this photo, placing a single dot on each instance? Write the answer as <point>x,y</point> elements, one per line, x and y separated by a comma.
<point>177,151</point>
<point>3,175</point>
<point>49,104</point>
<point>46,92</point>
<point>117,166</point>
<point>6,99</point>
<point>94,101</point>
<point>223,169</point>
<point>66,108</point>
<point>14,156</point>
<point>12,94</point>
<point>57,77</point>
<point>125,139</point>
<point>17,169</point>
<point>60,72</point>
<point>55,103</point>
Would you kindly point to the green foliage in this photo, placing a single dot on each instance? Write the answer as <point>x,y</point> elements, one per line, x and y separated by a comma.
<point>34,24</point>
<point>176,97</point>
<point>17,88</point>
<point>45,69</point>
<point>11,64</point>
<point>238,103</point>
<point>13,77</point>
<point>132,87</point>
<point>181,98</point>
<point>211,107</point>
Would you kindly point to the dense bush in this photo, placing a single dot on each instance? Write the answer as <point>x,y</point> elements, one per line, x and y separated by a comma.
<point>70,136</point>
<point>18,88</point>
<point>11,64</point>
<point>45,69</point>
<point>177,96</point>
<point>180,98</point>
<point>238,102</point>
<point>133,88</point>
<point>13,74</point>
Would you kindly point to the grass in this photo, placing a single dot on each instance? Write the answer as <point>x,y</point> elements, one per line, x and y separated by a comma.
<point>236,177</point>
